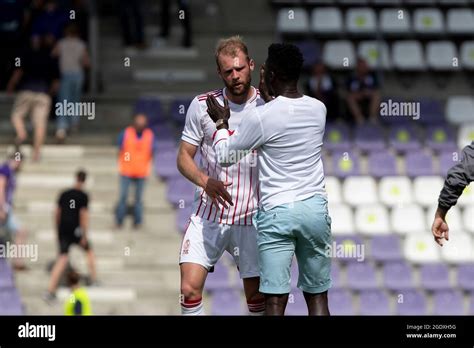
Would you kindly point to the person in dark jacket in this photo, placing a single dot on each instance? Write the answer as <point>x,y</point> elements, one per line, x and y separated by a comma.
<point>458,178</point>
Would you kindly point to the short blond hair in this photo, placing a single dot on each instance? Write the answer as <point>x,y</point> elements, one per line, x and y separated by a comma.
<point>231,47</point>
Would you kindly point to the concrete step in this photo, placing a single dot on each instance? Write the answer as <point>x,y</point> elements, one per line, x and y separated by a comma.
<point>160,305</point>
<point>156,223</point>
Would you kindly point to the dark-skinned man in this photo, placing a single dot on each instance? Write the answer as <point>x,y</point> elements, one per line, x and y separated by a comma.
<point>293,218</point>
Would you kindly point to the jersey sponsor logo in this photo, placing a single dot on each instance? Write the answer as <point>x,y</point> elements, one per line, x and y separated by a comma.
<point>186,246</point>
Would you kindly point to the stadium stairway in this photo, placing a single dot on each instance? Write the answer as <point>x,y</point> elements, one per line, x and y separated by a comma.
<point>137,269</point>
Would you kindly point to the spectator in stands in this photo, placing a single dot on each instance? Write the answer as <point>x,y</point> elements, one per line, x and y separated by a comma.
<point>11,23</point>
<point>363,96</point>
<point>36,77</point>
<point>131,18</point>
<point>184,17</point>
<point>459,176</point>
<point>323,87</point>
<point>72,225</point>
<point>50,23</point>
<point>32,12</point>
<point>136,144</point>
<point>73,58</point>
<point>78,303</point>
<point>8,172</point>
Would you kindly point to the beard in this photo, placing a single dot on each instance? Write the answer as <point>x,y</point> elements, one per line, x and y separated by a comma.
<point>241,89</point>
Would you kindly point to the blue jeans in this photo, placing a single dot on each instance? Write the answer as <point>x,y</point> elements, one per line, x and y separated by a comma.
<point>121,211</point>
<point>70,91</point>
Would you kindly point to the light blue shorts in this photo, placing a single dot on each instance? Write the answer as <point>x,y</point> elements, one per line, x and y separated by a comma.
<point>303,229</point>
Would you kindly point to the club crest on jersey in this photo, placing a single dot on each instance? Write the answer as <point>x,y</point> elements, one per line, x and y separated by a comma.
<point>186,245</point>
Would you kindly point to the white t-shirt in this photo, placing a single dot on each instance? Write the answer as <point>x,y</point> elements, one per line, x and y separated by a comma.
<point>288,135</point>
<point>199,130</point>
<point>71,52</point>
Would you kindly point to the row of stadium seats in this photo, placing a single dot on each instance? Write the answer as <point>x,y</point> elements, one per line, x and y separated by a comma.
<point>342,3</point>
<point>416,248</point>
<point>364,21</point>
<point>403,55</point>
<point>458,109</point>
<point>380,164</point>
<point>392,191</point>
<point>365,302</point>
<point>402,138</point>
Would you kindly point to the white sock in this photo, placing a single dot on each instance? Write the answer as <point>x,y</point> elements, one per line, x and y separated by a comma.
<point>192,307</point>
<point>256,307</point>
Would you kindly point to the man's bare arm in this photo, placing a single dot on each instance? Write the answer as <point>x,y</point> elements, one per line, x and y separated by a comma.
<point>188,167</point>
<point>84,221</point>
<point>215,189</point>
<point>57,217</point>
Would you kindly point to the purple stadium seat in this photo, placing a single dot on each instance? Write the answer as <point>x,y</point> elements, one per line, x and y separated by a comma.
<point>349,245</point>
<point>164,131</point>
<point>296,303</point>
<point>411,302</point>
<point>311,51</point>
<point>361,276</point>
<point>337,137</point>
<point>345,163</point>
<point>152,108</point>
<point>178,110</point>
<point>219,279</point>
<point>447,160</point>
<point>10,303</point>
<point>340,302</point>
<point>374,302</point>
<point>419,163</point>
<point>369,138</point>
<point>386,248</point>
<point>448,302</point>
<point>441,138</point>
<point>336,278</point>
<point>466,276</point>
<point>431,111</point>
<point>165,164</point>
<point>182,217</point>
<point>180,191</point>
<point>404,138</point>
<point>382,163</point>
<point>166,145</point>
<point>398,276</point>
<point>227,302</point>
<point>434,276</point>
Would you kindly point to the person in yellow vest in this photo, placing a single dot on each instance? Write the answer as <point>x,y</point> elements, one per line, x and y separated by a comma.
<point>136,144</point>
<point>78,302</point>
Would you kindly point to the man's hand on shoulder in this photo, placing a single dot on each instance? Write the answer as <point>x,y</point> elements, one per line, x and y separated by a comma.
<point>219,114</point>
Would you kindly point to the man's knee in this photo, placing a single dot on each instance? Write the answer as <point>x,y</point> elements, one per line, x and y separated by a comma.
<point>190,291</point>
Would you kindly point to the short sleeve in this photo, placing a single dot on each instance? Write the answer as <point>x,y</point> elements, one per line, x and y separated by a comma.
<point>193,132</point>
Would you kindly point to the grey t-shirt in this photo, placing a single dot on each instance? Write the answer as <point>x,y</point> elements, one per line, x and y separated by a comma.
<point>71,53</point>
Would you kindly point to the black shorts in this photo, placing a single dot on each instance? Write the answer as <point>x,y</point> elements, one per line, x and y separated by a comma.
<point>68,239</point>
